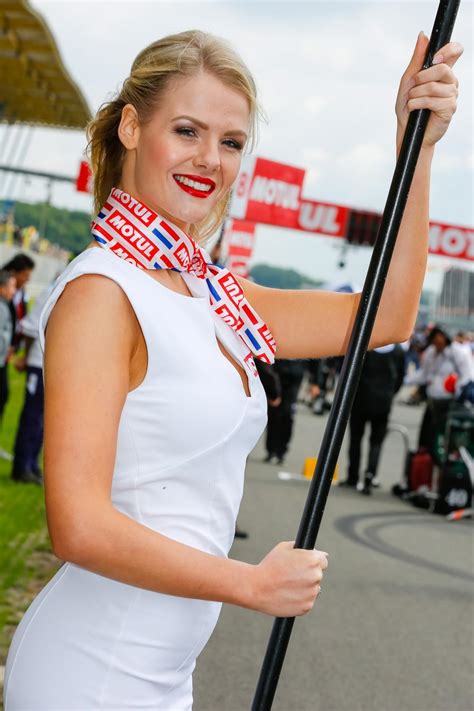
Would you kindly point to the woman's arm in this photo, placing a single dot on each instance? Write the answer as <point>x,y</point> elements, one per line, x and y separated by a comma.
<point>313,324</point>
<point>90,366</point>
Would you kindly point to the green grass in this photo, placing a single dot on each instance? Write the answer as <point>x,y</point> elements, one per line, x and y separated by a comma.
<point>26,561</point>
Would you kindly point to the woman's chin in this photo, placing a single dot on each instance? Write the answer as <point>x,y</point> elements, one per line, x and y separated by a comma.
<point>184,218</point>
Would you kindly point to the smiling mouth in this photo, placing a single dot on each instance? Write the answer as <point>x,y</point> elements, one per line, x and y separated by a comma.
<point>195,185</point>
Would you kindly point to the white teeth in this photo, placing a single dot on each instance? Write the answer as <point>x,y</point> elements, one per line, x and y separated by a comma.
<point>193,183</point>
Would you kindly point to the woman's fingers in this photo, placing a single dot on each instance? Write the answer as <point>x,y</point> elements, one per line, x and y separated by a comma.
<point>442,107</point>
<point>449,54</point>
<point>322,558</point>
<point>435,88</point>
<point>432,88</point>
<point>437,73</point>
<point>416,61</point>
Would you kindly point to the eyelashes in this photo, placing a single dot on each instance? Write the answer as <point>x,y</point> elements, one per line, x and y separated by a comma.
<point>190,132</point>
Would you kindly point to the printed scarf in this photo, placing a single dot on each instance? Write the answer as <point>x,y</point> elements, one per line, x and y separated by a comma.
<point>132,231</point>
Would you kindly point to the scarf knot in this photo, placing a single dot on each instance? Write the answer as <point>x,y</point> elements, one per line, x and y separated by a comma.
<point>137,234</point>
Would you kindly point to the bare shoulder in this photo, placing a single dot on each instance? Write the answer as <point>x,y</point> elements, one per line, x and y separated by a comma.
<point>94,307</point>
<point>93,328</point>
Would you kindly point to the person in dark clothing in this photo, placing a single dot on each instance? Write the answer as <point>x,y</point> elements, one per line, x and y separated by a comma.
<point>29,435</point>
<point>7,290</point>
<point>280,417</point>
<point>382,376</point>
<point>321,377</point>
<point>270,381</point>
<point>21,267</point>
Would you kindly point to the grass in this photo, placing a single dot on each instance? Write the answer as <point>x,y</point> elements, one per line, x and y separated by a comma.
<point>26,561</point>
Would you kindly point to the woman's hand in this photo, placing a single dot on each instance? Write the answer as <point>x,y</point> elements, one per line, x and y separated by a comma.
<point>435,88</point>
<point>288,580</point>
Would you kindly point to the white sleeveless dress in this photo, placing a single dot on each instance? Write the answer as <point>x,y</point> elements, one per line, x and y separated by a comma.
<point>88,642</point>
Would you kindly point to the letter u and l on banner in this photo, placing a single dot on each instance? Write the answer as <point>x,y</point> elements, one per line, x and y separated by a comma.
<point>268,192</point>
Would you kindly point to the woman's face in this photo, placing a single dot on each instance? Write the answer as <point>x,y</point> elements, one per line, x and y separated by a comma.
<point>440,342</point>
<point>185,159</point>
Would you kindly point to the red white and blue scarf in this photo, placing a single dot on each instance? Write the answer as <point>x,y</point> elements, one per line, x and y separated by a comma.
<point>140,236</point>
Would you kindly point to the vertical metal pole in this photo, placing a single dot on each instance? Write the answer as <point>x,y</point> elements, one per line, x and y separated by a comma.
<point>371,294</point>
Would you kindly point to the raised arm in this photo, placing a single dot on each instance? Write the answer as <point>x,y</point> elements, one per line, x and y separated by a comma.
<point>314,324</point>
<point>90,366</point>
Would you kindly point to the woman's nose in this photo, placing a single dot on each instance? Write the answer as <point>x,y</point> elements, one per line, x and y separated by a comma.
<point>207,157</point>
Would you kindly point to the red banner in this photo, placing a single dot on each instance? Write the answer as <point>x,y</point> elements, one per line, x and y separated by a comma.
<point>270,193</point>
<point>451,241</point>
<point>238,243</point>
<point>84,178</point>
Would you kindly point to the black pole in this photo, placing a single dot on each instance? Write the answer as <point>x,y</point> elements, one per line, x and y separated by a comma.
<point>351,369</point>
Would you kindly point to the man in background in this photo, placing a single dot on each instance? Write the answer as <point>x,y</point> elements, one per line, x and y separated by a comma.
<point>7,291</point>
<point>21,266</point>
<point>381,378</point>
<point>29,436</point>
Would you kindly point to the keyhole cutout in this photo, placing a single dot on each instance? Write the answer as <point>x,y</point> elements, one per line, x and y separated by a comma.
<point>241,372</point>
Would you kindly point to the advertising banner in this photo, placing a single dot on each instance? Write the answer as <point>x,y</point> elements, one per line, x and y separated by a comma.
<point>451,241</point>
<point>239,241</point>
<point>269,193</point>
<point>84,178</point>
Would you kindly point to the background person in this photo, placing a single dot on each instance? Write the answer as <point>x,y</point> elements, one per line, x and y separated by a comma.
<point>21,266</point>
<point>442,359</point>
<point>7,291</point>
<point>381,378</point>
<point>281,416</point>
<point>29,435</point>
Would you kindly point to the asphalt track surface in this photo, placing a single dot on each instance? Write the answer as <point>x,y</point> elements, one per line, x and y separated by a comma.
<point>393,628</point>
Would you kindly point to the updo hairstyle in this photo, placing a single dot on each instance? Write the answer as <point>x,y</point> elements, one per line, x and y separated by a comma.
<point>179,55</point>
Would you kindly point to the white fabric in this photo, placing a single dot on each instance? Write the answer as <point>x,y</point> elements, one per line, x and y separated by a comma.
<point>385,349</point>
<point>89,642</point>
<point>29,326</point>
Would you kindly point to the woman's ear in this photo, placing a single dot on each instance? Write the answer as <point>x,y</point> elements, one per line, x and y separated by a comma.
<point>129,128</point>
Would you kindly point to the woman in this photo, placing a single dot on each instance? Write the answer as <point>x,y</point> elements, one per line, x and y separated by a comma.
<point>149,426</point>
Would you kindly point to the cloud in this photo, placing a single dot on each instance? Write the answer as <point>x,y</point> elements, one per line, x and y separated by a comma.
<point>327,72</point>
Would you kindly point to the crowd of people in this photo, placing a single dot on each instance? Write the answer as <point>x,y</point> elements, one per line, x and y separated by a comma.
<point>440,367</point>
<point>19,344</point>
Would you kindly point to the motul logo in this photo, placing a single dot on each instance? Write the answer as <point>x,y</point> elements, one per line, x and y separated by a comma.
<point>131,234</point>
<point>452,241</point>
<point>232,289</point>
<point>314,217</point>
<point>126,256</point>
<point>275,192</point>
<point>134,207</point>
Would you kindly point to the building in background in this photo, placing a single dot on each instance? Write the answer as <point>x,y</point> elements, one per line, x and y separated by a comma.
<point>455,304</point>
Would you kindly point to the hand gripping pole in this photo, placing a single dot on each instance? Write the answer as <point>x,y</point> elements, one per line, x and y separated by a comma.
<point>352,366</point>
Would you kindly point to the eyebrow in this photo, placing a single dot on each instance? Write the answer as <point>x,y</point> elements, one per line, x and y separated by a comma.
<point>205,127</point>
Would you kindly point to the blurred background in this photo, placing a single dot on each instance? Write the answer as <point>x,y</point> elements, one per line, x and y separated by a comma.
<point>327,73</point>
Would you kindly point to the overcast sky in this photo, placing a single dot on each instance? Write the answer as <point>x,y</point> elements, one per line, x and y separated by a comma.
<point>327,73</point>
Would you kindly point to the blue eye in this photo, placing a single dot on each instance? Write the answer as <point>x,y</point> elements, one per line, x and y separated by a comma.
<point>236,145</point>
<point>186,131</point>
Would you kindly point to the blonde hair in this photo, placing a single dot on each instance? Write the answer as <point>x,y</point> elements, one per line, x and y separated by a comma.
<point>178,55</point>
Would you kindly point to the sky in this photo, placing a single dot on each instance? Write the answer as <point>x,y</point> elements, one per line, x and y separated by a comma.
<point>327,73</point>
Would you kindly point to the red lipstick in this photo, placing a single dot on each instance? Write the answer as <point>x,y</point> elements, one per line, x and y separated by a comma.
<point>195,185</point>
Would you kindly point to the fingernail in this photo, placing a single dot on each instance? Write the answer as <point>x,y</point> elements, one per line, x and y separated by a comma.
<point>438,58</point>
